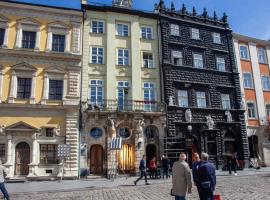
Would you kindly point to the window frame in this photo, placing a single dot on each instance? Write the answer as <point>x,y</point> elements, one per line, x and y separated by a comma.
<point>64,46</point>
<point>205,99</point>
<point>267,111</point>
<point>265,76</point>
<point>251,80</point>
<point>214,36</point>
<point>97,55</point>
<point>150,88</point>
<point>98,31</point>
<point>24,88</point>
<point>55,159</point>
<point>174,28</point>
<point>97,86</point>
<point>265,61</point>
<point>226,101</point>
<point>29,44</point>
<point>181,58</point>
<point>194,33</point>
<point>2,40</point>
<point>218,58</point>
<point>182,97</point>
<point>122,33</point>
<point>146,33</point>
<point>123,57</point>
<point>247,52</point>
<point>148,60</point>
<point>255,110</point>
<point>49,90</point>
<point>202,60</point>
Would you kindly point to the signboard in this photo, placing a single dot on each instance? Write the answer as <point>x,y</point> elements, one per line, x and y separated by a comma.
<point>63,150</point>
<point>116,143</point>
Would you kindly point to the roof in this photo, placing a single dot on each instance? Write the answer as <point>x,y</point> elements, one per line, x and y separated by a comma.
<point>245,38</point>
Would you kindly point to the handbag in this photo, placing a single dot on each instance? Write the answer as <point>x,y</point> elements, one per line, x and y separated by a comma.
<point>217,197</point>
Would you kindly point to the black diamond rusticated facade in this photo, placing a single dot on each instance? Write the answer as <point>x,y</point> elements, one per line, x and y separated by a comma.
<point>192,133</point>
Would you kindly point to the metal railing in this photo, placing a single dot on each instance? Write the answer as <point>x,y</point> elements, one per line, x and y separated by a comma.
<point>125,106</point>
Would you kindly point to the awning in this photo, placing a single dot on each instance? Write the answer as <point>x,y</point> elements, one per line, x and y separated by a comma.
<point>116,143</point>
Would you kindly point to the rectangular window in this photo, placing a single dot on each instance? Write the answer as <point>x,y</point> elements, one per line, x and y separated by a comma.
<point>175,30</point>
<point>2,36</point>
<point>48,154</point>
<point>148,60</point>
<point>177,58</point>
<point>122,95</point>
<point>201,99</point>
<point>56,89</point>
<point>97,54</point>
<point>247,78</point>
<point>122,30</point>
<point>96,92</point>
<point>49,132</point>
<point>24,88</point>
<point>265,83</point>
<point>198,60</point>
<point>220,64</point>
<point>226,102</point>
<point>267,107</point>
<point>216,38</point>
<point>146,33</point>
<point>3,153</point>
<point>244,54</point>
<point>97,27</point>
<point>123,57</point>
<point>149,96</point>
<point>195,33</point>
<point>262,55</point>
<point>251,110</point>
<point>183,98</point>
<point>28,39</point>
<point>58,43</point>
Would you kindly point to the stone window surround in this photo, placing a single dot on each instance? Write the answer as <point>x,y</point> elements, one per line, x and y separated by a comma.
<point>55,75</point>
<point>153,59</point>
<point>4,24</point>
<point>97,20</point>
<point>255,110</point>
<point>22,73</point>
<point>152,32</point>
<point>60,30</point>
<point>27,25</point>
<point>103,58</point>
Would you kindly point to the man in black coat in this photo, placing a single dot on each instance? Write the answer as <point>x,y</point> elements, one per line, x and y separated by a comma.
<point>206,178</point>
<point>142,168</point>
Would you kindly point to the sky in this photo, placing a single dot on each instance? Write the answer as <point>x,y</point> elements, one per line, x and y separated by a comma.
<point>247,17</point>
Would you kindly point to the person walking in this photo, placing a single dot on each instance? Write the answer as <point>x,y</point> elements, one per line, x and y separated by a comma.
<point>206,178</point>
<point>153,168</point>
<point>3,174</point>
<point>181,178</point>
<point>165,166</point>
<point>143,173</point>
<point>195,166</point>
<point>232,163</point>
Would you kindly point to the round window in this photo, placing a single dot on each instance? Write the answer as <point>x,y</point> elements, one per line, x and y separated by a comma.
<point>96,132</point>
<point>123,133</point>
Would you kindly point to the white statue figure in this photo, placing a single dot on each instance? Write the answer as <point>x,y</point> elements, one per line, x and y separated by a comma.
<point>188,115</point>
<point>2,128</point>
<point>139,126</point>
<point>111,127</point>
<point>171,101</point>
<point>228,116</point>
<point>210,122</point>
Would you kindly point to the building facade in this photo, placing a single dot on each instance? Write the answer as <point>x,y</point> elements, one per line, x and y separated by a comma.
<point>253,64</point>
<point>40,66</point>
<point>120,88</point>
<point>201,86</point>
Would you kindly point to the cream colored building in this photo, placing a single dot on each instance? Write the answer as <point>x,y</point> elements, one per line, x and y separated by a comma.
<point>40,69</point>
<point>120,88</point>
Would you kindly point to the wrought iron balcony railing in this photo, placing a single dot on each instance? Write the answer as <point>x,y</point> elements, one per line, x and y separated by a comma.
<point>125,106</point>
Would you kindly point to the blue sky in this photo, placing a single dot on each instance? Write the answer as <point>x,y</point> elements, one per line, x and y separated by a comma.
<point>248,17</point>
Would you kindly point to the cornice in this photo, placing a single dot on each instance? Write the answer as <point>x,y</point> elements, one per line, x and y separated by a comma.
<point>37,106</point>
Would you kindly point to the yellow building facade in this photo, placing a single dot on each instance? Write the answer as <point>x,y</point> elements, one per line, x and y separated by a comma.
<point>40,69</point>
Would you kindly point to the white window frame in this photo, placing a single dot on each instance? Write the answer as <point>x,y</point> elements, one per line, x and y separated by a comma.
<point>123,51</point>
<point>251,80</point>
<point>262,58</point>
<point>177,55</point>
<point>149,36</point>
<point>183,100</point>
<point>201,99</point>
<point>216,38</point>
<point>174,29</point>
<point>198,61</point>
<point>150,63</point>
<point>267,88</point>
<point>150,87</point>
<point>98,21</point>
<point>267,111</point>
<point>99,84</point>
<point>121,33</point>
<point>195,33</point>
<point>242,56</point>
<point>221,61</point>
<point>4,24</point>
<point>226,101</point>
<point>97,55</point>
<point>255,110</point>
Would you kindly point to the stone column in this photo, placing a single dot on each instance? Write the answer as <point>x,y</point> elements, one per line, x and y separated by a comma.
<point>76,37</point>
<point>13,88</point>
<point>45,89</point>
<point>67,42</point>
<point>49,40</point>
<point>9,163</point>
<point>19,37</point>
<point>34,163</point>
<point>37,40</point>
<point>1,83</point>
<point>33,89</point>
<point>5,43</point>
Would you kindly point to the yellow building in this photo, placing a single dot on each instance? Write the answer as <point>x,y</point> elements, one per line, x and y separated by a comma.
<point>40,65</point>
<point>120,88</point>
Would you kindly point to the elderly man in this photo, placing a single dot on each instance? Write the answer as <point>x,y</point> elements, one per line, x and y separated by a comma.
<point>181,178</point>
<point>2,181</point>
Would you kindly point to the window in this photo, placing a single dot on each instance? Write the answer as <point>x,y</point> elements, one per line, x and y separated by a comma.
<point>96,92</point>
<point>216,38</point>
<point>149,96</point>
<point>56,89</point>
<point>262,55</point>
<point>48,154</point>
<point>247,78</point>
<point>3,153</point>
<point>97,27</point>
<point>123,133</point>
<point>265,83</point>
<point>122,95</point>
<point>226,102</point>
<point>123,57</point>
<point>251,110</point>
<point>175,30</point>
<point>122,30</point>
<point>97,55</point>
<point>220,64</point>
<point>198,60</point>
<point>195,33</point>
<point>49,132</point>
<point>244,52</point>
<point>96,132</point>
<point>148,60</point>
<point>58,43</point>
<point>267,107</point>
<point>201,99</point>
<point>146,33</point>
<point>28,40</point>
<point>150,132</point>
<point>24,88</point>
<point>177,58</point>
<point>2,36</point>
<point>183,98</point>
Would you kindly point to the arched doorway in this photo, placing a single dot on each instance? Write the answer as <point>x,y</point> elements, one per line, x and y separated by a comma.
<point>151,151</point>
<point>125,158</point>
<point>191,148</point>
<point>22,159</point>
<point>230,143</point>
<point>96,159</point>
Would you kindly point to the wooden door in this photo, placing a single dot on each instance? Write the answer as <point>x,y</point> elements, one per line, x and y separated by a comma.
<point>22,159</point>
<point>96,159</point>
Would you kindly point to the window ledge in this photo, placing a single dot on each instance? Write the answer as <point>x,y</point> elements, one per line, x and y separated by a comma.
<point>123,37</point>
<point>99,34</point>
<point>263,63</point>
<point>245,59</point>
<point>150,68</point>
<point>124,66</point>
<point>246,88</point>
<point>147,39</point>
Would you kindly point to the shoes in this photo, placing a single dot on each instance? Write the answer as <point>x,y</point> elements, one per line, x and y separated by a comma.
<point>135,183</point>
<point>147,184</point>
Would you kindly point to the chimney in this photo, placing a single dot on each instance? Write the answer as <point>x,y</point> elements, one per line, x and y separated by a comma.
<point>84,2</point>
<point>122,3</point>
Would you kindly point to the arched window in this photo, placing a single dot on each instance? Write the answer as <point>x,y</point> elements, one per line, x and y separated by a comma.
<point>96,132</point>
<point>123,133</point>
<point>150,132</point>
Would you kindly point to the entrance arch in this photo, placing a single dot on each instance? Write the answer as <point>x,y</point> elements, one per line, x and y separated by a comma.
<point>96,159</point>
<point>151,151</point>
<point>125,158</point>
<point>230,143</point>
<point>191,148</point>
<point>22,159</point>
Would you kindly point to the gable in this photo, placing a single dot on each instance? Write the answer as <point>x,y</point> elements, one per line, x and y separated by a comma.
<point>29,21</point>
<point>22,126</point>
<point>23,67</point>
<point>55,69</point>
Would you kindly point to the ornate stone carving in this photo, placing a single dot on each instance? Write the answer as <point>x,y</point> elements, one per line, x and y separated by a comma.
<point>2,129</point>
<point>171,101</point>
<point>111,127</point>
<point>210,122</point>
<point>139,126</point>
<point>228,116</point>
<point>188,115</point>
<point>57,131</point>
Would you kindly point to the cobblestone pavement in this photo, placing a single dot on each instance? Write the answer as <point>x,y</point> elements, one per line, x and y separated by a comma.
<point>230,187</point>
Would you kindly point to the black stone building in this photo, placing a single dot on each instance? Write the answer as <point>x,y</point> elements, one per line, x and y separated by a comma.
<point>200,85</point>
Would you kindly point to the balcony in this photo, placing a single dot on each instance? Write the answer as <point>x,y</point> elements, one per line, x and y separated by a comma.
<point>107,105</point>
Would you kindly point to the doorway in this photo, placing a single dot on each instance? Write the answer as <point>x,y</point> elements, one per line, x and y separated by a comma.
<point>22,159</point>
<point>151,151</point>
<point>96,160</point>
<point>125,158</point>
<point>192,148</point>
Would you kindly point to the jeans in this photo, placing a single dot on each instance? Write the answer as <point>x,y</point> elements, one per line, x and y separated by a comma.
<point>4,191</point>
<point>165,172</point>
<point>180,198</point>
<point>206,194</point>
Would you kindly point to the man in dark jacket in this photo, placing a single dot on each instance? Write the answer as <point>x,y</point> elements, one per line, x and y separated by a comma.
<point>195,167</point>
<point>142,168</point>
<point>206,178</point>
<point>165,166</point>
